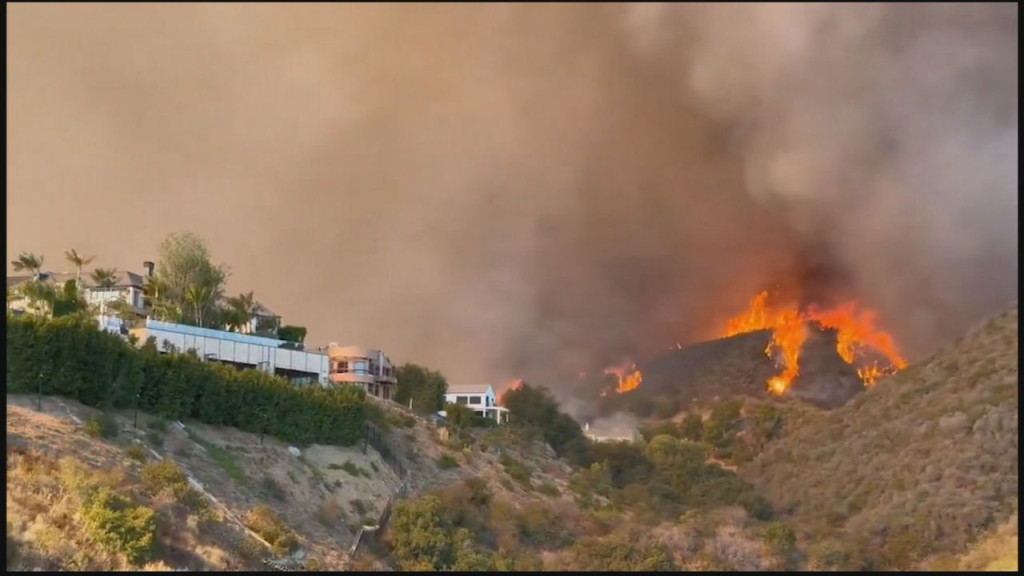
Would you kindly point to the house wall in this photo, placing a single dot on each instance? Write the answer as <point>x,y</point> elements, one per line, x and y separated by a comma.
<point>130,294</point>
<point>487,399</point>
<point>231,347</point>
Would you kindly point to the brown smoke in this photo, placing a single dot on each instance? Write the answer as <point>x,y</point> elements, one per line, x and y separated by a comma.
<point>526,190</point>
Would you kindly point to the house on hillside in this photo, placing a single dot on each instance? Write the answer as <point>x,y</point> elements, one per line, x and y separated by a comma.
<point>237,350</point>
<point>127,287</point>
<point>368,368</point>
<point>480,398</point>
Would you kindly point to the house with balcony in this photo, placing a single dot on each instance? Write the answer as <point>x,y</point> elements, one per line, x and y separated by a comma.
<point>368,368</point>
<point>480,398</point>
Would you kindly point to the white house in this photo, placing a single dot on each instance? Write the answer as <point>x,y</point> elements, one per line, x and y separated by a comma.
<point>479,397</point>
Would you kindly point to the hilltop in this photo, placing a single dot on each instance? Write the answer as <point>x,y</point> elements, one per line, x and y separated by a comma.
<point>695,376</point>
<point>915,470</point>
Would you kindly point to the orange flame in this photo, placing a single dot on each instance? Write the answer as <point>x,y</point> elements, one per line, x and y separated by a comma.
<point>856,332</point>
<point>629,378</point>
<point>507,386</point>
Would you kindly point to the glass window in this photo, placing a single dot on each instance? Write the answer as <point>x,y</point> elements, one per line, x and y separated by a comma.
<point>460,399</point>
<point>474,399</point>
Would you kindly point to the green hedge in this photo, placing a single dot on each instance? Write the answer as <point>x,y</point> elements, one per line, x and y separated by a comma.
<point>72,357</point>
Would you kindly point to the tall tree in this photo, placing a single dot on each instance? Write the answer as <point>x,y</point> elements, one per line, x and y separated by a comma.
<point>426,388</point>
<point>41,295</point>
<point>105,277</point>
<point>199,297</point>
<point>79,261</point>
<point>28,261</point>
<point>184,263</point>
<point>240,310</point>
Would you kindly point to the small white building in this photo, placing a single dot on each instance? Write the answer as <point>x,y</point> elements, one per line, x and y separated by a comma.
<point>479,397</point>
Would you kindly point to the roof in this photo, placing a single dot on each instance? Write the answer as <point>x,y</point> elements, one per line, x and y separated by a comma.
<point>261,310</point>
<point>468,388</point>
<point>123,279</point>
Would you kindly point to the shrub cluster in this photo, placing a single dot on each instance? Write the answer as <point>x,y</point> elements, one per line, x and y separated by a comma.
<point>71,357</point>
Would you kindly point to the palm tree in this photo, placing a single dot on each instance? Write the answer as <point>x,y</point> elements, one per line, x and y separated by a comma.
<point>29,262</point>
<point>39,292</point>
<point>78,260</point>
<point>105,277</point>
<point>241,309</point>
<point>199,297</point>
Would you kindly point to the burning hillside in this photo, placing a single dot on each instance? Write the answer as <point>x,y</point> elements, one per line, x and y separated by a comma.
<point>859,342</point>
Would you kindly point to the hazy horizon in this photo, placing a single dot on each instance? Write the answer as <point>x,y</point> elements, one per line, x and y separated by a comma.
<point>500,191</point>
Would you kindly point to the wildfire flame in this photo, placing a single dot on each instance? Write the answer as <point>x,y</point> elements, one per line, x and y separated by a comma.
<point>856,332</point>
<point>507,386</point>
<point>629,377</point>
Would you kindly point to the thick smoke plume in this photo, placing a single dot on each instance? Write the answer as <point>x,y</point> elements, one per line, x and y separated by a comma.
<point>529,191</point>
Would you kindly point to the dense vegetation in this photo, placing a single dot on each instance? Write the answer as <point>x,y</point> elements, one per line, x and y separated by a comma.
<point>71,357</point>
<point>534,412</point>
<point>914,469</point>
<point>424,387</point>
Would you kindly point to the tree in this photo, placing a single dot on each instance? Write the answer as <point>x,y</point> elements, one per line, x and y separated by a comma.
<point>78,260</point>
<point>40,294</point>
<point>426,388</point>
<point>184,263</point>
<point>535,409</point>
<point>240,310</point>
<point>28,261</point>
<point>161,307</point>
<point>105,277</point>
<point>199,296</point>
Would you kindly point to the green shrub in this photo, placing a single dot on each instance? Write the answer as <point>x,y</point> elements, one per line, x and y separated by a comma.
<point>265,522</point>
<point>359,506</point>
<point>119,527</point>
<point>548,489</point>
<point>446,462</point>
<point>271,488</point>
<point>102,426</point>
<point>350,467</point>
<point>166,475</point>
<point>71,357</point>
<point>779,538</point>
<point>136,452</point>
<point>516,470</point>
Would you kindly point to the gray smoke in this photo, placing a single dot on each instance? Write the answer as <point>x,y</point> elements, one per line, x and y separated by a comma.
<point>503,191</point>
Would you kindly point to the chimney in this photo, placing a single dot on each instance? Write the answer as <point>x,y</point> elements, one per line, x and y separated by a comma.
<point>149,268</point>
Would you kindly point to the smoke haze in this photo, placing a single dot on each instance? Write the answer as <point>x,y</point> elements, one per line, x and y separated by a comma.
<point>502,191</point>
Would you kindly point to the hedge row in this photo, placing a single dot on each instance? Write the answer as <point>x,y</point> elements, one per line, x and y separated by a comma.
<point>72,357</point>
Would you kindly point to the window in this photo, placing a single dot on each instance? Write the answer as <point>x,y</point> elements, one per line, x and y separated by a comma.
<point>461,400</point>
<point>341,366</point>
<point>474,399</point>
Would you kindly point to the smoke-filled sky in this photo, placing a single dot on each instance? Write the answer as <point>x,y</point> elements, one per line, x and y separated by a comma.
<point>504,191</point>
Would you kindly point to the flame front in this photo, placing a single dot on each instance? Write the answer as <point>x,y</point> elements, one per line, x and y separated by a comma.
<point>856,332</point>
<point>629,378</point>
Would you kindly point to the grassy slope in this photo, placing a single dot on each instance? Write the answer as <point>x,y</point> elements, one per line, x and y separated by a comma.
<point>922,465</point>
<point>315,496</point>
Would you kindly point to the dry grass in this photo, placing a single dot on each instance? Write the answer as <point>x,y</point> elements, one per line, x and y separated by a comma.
<point>922,464</point>
<point>301,492</point>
